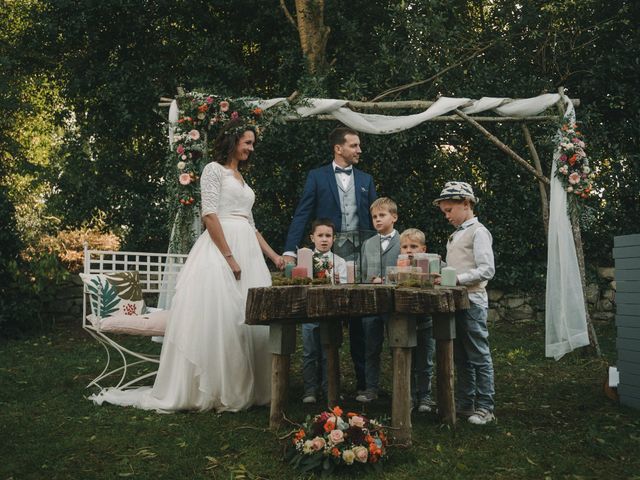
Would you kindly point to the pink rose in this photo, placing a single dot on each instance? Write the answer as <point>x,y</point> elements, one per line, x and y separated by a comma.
<point>209,100</point>
<point>574,178</point>
<point>194,134</point>
<point>180,149</point>
<point>356,421</point>
<point>224,106</point>
<point>361,453</point>
<point>184,179</point>
<point>234,115</point>
<point>336,436</point>
<point>318,443</point>
<point>563,158</point>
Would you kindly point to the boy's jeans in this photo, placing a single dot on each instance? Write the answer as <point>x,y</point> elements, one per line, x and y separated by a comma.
<point>314,360</point>
<point>373,328</point>
<point>422,360</point>
<point>472,357</point>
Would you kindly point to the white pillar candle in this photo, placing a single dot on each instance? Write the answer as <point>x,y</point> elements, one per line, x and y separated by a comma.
<point>448,278</point>
<point>305,259</point>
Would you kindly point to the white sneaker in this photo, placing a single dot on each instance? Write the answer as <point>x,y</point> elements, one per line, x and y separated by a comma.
<point>309,399</point>
<point>482,416</point>
<point>425,405</point>
<point>367,396</point>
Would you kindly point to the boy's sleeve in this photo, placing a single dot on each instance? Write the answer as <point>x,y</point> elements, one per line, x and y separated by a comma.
<point>483,256</point>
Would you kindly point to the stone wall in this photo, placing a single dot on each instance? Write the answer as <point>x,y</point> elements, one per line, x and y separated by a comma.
<point>68,301</point>
<point>521,307</point>
<point>503,306</point>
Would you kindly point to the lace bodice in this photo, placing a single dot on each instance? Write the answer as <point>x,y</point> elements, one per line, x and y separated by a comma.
<point>225,195</point>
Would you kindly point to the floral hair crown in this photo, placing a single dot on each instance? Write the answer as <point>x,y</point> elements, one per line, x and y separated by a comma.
<point>210,113</point>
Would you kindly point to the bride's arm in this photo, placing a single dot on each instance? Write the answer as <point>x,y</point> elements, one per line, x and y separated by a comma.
<point>212,223</point>
<point>277,260</point>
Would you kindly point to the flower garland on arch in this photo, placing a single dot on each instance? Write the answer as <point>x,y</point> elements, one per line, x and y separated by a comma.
<point>572,165</point>
<point>201,116</point>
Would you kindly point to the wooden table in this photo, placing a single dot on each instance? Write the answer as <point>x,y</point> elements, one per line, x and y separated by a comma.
<point>283,307</point>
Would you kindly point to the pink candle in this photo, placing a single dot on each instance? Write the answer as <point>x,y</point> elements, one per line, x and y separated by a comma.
<point>351,272</point>
<point>403,260</point>
<point>305,259</point>
<point>299,272</point>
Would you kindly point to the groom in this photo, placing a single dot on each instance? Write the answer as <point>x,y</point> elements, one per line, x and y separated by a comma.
<point>342,193</point>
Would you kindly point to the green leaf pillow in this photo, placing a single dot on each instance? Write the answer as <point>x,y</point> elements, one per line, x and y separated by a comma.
<point>116,293</point>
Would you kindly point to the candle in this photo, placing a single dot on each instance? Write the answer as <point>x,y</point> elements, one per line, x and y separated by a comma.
<point>448,278</point>
<point>434,265</point>
<point>434,262</point>
<point>288,268</point>
<point>422,261</point>
<point>403,260</point>
<point>299,272</point>
<point>305,259</point>
<point>404,274</point>
<point>391,275</point>
<point>351,272</point>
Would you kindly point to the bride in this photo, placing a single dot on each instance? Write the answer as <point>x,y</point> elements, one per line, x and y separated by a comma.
<point>210,359</point>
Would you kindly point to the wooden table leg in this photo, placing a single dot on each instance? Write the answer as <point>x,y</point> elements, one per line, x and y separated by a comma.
<point>444,331</point>
<point>331,339</point>
<point>282,343</point>
<point>402,338</point>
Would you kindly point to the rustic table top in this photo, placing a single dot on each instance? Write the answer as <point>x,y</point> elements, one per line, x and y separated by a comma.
<point>297,303</point>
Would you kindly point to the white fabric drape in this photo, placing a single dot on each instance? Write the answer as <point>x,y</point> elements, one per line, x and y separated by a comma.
<point>566,327</point>
<point>565,315</point>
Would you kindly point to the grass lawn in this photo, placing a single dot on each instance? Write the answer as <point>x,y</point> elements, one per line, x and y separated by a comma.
<point>553,421</point>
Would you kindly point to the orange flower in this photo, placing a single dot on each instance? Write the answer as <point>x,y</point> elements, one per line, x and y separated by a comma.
<point>351,414</point>
<point>257,112</point>
<point>203,108</point>
<point>335,452</point>
<point>337,411</point>
<point>299,435</point>
<point>368,439</point>
<point>572,159</point>
<point>329,425</point>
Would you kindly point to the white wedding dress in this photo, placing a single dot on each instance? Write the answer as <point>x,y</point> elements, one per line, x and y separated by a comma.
<point>210,359</point>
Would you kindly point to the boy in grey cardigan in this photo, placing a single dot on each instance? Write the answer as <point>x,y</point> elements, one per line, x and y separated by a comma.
<point>378,253</point>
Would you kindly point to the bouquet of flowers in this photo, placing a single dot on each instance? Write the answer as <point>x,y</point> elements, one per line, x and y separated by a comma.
<point>573,169</point>
<point>330,440</point>
<point>322,266</point>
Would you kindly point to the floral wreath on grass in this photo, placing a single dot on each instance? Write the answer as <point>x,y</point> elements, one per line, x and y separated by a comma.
<point>201,116</point>
<point>330,440</point>
<point>572,167</point>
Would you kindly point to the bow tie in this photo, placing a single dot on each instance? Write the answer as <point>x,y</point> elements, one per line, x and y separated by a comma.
<point>343,170</point>
<point>386,237</point>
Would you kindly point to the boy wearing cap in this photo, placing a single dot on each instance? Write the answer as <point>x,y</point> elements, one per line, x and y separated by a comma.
<point>469,251</point>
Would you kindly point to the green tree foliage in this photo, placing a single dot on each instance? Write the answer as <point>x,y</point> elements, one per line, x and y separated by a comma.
<point>110,61</point>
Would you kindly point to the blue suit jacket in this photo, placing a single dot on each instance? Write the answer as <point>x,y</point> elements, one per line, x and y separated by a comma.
<point>320,199</point>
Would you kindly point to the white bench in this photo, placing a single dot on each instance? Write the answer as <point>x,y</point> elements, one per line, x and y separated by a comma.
<point>158,275</point>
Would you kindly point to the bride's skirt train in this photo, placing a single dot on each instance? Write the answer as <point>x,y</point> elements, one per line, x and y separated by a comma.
<point>210,359</point>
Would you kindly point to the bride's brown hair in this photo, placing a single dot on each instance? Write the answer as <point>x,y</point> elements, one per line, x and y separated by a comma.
<point>227,140</point>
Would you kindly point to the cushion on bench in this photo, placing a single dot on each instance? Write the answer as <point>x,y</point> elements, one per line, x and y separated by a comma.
<point>114,294</point>
<point>149,325</point>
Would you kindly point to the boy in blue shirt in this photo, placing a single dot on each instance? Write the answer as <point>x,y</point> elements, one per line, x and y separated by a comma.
<point>413,241</point>
<point>470,252</point>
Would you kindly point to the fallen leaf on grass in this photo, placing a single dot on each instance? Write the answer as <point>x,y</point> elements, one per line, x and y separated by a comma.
<point>531,461</point>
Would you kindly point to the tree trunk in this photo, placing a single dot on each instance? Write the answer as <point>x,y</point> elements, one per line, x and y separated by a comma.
<point>313,34</point>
